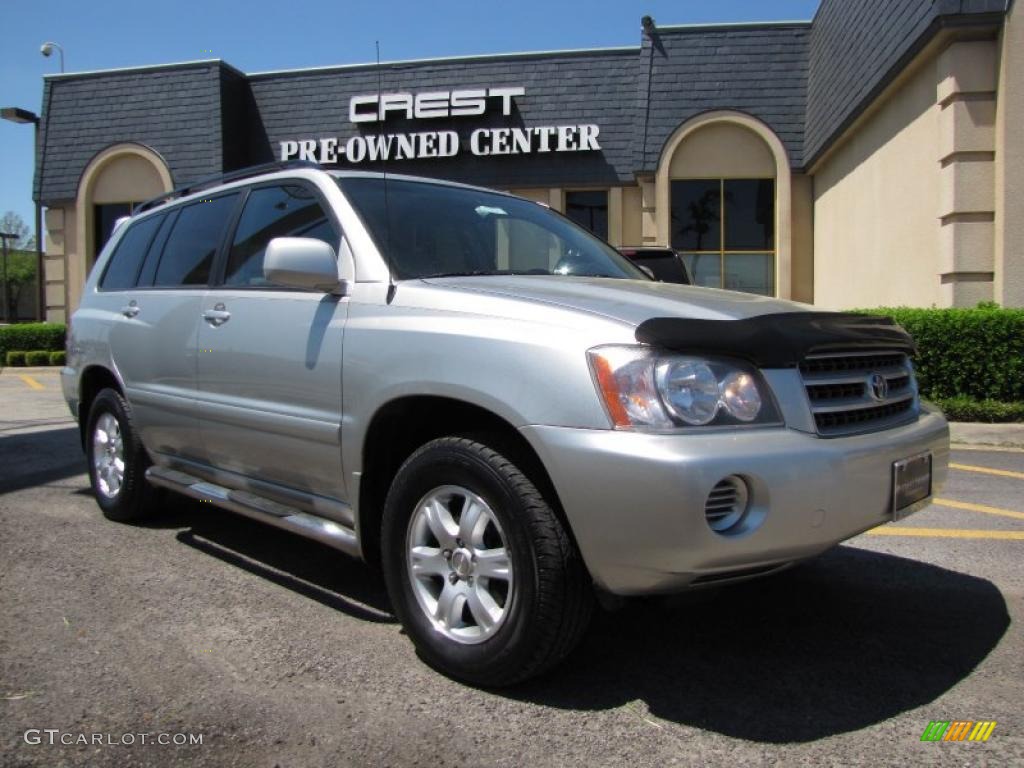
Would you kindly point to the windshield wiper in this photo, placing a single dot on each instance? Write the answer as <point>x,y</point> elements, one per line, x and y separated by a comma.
<point>479,272</point>
<point>463,273</point>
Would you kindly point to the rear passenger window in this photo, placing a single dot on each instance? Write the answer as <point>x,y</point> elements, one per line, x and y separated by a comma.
<point>124,265</point>
<point>189,252</point>
<point>285,211</point>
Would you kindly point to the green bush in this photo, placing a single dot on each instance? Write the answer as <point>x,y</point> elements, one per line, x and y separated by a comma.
<point>57,358</point>
<point>48,336</point>
<point>37,357</point>
<point>989,411</point>
<point>966,353</point>
<point>16,358</point>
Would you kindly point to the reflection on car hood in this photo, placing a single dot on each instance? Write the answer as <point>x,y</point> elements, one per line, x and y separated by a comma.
<point>629,301</point>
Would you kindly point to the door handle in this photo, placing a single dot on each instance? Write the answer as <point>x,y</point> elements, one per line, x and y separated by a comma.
<point>217,316</point>
<point>130,310</point>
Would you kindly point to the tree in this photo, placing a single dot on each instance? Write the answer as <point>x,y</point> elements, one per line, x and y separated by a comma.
<point>21,262</point>
<point>21,273</point>
<point>13,224</point>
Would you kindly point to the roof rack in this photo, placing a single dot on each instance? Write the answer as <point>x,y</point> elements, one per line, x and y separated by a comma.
<point>222,178</point>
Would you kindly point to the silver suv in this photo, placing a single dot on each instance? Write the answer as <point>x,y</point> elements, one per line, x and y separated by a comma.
<point>491,404</point>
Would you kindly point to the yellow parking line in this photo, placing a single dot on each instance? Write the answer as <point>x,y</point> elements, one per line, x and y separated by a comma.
<point>987,470</point>
<point>980,508</point>
<point>29,381</point>
<point>946,533</point>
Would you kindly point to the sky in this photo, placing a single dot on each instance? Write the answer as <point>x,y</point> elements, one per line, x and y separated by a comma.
<point>259,35</point>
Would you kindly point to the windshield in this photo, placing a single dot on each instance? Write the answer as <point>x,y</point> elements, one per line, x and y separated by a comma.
<point>441,231</point>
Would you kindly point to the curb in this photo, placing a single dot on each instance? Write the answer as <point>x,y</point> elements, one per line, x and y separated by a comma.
<point>13,370</point>
<point>971,433</point>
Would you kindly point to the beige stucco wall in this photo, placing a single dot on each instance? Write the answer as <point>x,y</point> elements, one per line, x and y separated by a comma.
<point>60,239</point>
<point>803,238</point>
<point>538,194</point>
<point>722,150</point>
<point>1009,170</point>
<point>127,179</point>
<point>904,205</point>
<point>632,216</point>
<point>876,206</point>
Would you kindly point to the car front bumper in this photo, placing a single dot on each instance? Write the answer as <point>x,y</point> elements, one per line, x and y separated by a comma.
<point>635,501</point>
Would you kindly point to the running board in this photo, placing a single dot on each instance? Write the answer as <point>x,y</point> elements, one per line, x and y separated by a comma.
<point>258,508</point>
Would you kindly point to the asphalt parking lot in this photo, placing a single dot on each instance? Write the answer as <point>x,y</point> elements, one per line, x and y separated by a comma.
<point>279,651</point>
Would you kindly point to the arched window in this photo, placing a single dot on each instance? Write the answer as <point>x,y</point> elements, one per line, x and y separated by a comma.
<point>721,183</point>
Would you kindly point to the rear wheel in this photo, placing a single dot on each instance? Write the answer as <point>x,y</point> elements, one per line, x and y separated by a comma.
<point>117,460</point>
<point>481,573</point>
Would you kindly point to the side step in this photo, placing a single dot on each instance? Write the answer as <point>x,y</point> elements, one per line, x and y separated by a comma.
<point>258,508</point>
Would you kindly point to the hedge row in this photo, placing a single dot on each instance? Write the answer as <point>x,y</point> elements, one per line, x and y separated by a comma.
<point>48,336</point>
<point>987,411</point>
<point>966,353</point>
<point>18,358</point>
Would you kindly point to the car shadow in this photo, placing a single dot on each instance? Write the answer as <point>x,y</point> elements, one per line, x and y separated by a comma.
<point>308,568</point>
<point>847,640</point>
<point>47,456</point>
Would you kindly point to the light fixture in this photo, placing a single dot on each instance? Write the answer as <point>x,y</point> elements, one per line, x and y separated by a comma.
<point>47,50</point>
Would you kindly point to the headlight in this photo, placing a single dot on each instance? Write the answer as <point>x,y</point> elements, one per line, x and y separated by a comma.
<point>642,388</point>
<point>689,389</point>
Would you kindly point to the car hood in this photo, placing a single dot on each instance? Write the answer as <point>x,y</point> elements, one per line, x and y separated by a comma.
<point>628,301</point>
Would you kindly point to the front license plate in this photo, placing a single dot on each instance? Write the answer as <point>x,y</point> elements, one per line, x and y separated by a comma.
<point>911,482</point>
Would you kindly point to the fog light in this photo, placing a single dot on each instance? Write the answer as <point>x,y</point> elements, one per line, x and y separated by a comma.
<point>727,504</point>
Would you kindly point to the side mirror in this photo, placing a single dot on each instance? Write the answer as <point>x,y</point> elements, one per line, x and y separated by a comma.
<point>647,271</point>
<point>302,262</point>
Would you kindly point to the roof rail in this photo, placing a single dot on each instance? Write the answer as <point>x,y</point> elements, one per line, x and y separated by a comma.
<point>222,178</point>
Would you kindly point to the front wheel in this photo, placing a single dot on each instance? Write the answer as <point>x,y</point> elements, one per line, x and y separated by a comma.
<point>481,572</point>
<point>117,460</point>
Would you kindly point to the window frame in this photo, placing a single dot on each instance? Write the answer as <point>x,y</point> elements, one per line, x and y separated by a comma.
<point>722,251</point>
<point>217,272</point>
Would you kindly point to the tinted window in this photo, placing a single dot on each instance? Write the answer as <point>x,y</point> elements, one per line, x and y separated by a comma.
<point>131,250</point>
<point>190,249</point>
<point>696,215</point>
<point>286,211</point>
<point>155,249</point>
<point>749,214</point>
<point>589,210</point>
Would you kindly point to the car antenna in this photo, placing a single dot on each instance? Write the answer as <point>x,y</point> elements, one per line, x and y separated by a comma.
<point>387,207</point>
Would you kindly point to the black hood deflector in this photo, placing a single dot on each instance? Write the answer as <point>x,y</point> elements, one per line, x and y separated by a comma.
<point>778,340</point>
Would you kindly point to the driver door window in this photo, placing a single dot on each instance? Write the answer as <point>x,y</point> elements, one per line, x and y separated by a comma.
<point>290,210</point>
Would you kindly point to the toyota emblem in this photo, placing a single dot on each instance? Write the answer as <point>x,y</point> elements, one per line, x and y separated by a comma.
<point>878,386</point>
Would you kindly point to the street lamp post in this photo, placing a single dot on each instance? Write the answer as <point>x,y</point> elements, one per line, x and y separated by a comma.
<point>18,115</point>
<point>5,236</point>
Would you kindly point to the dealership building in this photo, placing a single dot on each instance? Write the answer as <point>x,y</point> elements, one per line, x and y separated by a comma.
<point>867,157</point>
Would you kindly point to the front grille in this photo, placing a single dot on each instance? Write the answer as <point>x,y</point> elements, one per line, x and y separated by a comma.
<point>845,398</point>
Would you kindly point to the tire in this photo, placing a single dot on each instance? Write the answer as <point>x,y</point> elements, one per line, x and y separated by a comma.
<point>464,617</point>
<point>110,424</point>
